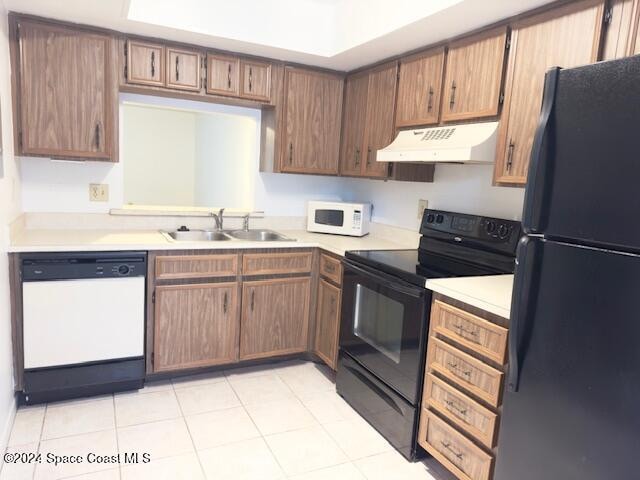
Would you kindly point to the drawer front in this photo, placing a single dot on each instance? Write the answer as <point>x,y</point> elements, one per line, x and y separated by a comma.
<point>466,413</point>
<point>196,266</point>
<point>475,333</point>
<point>468,372</point>
<point>276,263</point>
<point>461,456</point>
<point>331,268</point>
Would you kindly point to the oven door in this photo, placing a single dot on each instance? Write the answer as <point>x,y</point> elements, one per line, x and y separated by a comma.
<point>383,327</point>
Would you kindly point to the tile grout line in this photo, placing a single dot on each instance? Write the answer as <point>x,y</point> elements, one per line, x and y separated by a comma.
<point>40,440</point>
<point>115,424</point>
<point>262,437</point>
<point>184,419</point>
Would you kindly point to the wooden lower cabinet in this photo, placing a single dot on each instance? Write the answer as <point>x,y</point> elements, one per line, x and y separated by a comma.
<point>464,379</point>
<point>275,317</point>
<point>196,325</point>
<point>327,323</point>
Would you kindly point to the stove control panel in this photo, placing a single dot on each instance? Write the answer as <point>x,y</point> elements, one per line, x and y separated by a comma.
<point>494,232</point>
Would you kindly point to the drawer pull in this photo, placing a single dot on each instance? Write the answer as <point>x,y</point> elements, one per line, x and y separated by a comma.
<point>453,367</point>
<point>330,268</point>
<point>453,407</point>
<point>466,333</point>
<point>447,445</point>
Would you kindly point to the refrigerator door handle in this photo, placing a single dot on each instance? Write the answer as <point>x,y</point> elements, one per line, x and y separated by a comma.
<point>534,193</point>
<point>520,309</point>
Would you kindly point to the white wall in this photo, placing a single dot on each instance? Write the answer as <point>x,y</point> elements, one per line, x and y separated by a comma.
<point>161,155</point>
<point>9,209</point>
<point>457,188</point>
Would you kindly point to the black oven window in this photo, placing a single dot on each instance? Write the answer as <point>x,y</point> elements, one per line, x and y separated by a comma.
<point>334,218</point>
<point>378,321</point>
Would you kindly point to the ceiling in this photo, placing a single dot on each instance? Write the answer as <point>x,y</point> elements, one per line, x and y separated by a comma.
<point>338,34</point>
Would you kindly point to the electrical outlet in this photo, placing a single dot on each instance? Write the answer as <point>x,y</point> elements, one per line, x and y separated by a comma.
<point>422,206</point>
<point>98,192</point>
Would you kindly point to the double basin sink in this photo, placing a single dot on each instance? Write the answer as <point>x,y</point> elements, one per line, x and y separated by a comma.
<point>226,235</point>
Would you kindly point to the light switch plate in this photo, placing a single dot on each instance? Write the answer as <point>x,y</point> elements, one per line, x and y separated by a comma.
<point>98,192</point>
<point>422,206</point>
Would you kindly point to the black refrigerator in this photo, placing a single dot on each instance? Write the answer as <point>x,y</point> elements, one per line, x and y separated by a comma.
<point>571,406</point>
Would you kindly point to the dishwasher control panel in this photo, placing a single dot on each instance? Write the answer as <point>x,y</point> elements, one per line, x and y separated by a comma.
<point>66,266</point>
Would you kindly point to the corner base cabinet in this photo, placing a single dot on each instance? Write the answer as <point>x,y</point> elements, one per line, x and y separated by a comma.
<point>275,317</point>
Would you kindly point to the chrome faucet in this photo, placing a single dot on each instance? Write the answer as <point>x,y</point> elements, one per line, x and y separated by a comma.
<point>245,222</point>
<point>218,218</point>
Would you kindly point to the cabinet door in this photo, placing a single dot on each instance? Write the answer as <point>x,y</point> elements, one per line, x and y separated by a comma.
<point>66,96</point>
<point>223,75</point>
<point>567,37</point>
<point>145,63</point>
<point>419,89</point>
<point>355,114</point>
<point>275,317</point>
<point>256,80</point>
<point>327,323</point>
<point>379,129</point>
<point>195,325</point>
<point>183,69</point>
<point>473,80</point>
<point>619,40</point>
<point>313,109</point>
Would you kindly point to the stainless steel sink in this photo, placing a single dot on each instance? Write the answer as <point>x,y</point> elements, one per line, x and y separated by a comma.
<point>260,236</point>
<point>199,236</point>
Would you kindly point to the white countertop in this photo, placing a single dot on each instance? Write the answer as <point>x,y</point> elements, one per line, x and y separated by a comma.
<point>69,240</point>
<point>491,293</point>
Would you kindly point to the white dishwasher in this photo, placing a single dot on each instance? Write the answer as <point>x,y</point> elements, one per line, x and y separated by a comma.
<point>83,323</point>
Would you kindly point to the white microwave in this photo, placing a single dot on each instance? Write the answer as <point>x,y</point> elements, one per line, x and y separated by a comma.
<point>339,218</point>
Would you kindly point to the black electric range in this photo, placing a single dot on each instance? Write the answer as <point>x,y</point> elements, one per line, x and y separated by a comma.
<point>385,314</point>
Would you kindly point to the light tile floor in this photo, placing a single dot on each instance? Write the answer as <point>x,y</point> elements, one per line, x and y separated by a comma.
<point>280,421</point>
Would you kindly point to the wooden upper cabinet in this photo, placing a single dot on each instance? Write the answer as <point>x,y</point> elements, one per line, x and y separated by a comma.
<point>145,63</point>
<point>419,89</point>
<point>275,317</point>
<point>567,36</point>
<point>66,85</point>
<point>183,69</point>
<point>223,75</point>
<point>369,105</point>
<point>618,37</point>
<point>355,115</point>
<point>473,80</point>
<point>312,113</point>
<point>196,325</point>
<point>379,130</point>
<point>255,80</point>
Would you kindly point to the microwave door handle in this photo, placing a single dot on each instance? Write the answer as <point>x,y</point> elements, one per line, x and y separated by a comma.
<point>386,281</point>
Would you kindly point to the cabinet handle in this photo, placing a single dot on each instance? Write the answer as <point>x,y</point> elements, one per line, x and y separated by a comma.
<point>462,330</point>
<point>253,299</point>
<point>290,153</point>
<point>357,157</point>
<point>97,135</point>
<point>250,78</point>
<point>229,77</point>
<point>368,156</point>
<point>512,147</point>
<point>329,268</point>
<point>447,445</point>
<point>430,102</point>
<point>453,407</point>
<point>177,68</point>
<point>153,64</point>
<point>453,367</point>
<point>224,303</point>
<point>452,101</point>
<point>332,308</point>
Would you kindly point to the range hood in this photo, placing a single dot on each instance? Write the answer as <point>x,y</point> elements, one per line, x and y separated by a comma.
<point>470,143</point>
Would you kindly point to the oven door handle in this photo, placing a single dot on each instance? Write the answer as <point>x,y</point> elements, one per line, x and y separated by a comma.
<point>387,281</point>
